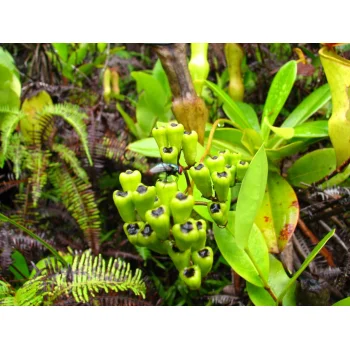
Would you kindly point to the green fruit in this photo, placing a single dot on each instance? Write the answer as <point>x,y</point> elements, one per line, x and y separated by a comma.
<point>192,277</point>
<point>204,259</point>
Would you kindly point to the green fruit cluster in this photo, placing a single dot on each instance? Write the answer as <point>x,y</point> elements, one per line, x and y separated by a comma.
<point>160,217</point>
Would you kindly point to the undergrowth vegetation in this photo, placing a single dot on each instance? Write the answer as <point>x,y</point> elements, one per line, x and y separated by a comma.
<point>201,174</point>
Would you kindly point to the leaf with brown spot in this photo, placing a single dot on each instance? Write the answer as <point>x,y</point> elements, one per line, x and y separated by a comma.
<point>279,212</point>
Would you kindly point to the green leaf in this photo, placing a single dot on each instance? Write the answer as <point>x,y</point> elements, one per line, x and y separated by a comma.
<point>10,86</point>
<point>228,138</point>
<point>312,129</point>
<point>86,68</point>
<point>77,57</point>
<point>285,151</point>
<point>228,135</point>
<point>159,73</point>
<point>258,252</point>
<point>19,267</point>
<point>250,197</point>
<point>343,302</point>
<point>145,117</point>
<point>278,93</point>
<point>7,60</point>
<point>310,105</point>
<point>101,47</point>
<point>337,179</point>
<point>306,263</point>
<point>236,256</point>
<point>146,147</point>
<point>249,114</point>
<point>284,133</point>
<point>153,92</point>
<point>128,121</point>
<point>278,214</point>
<point>277,281</point>
<point>233,111</point>
<point>62,50</point>
<point>312,167</point>
<point>252,140</point>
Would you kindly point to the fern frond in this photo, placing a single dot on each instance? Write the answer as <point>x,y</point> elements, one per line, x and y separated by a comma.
<point>72,161</point>
<point>71,114</point>
<point>6,294</point>
<point>144,252</point>
<point>17,153</point>
<point>84,281</point>
<point>10,120</point>
<point>115,149</point>
<point>25,213</point>
<point>79,199</point>
<point>37,162</point>
<point>41,128</point>
<point>7,185</point>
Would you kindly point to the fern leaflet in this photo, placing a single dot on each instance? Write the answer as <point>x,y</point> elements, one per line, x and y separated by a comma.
<point>37,162</point>
<point>79,199</point>
<point>84,281</point>
<point>72,161</point>
<point>10,119</point>
<point>71,114</point>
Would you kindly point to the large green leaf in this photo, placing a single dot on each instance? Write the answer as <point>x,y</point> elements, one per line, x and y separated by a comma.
<point>146,147</point>
<point>159,73</point>
<point>62,50</point>
<point>152,104</point>
<point>284,133</point>
<point>285,151</point>
<point>343,302</point>
<point>312,129</point>
<point>312,167</point>
<point>155,96</point>
<point>229,138</point>
<point>249,114</point>
<point>338,179</point>
<point>252,140</point>
<point>19,267</point>
<point>278,93</point>
<point>10,86</point>
<point>278,214</point>
<point>278,279</point>
<point>229,135</point>
<point>233,111</point>
<point>310,105</point>
<point>238,258</point>
<point>337,70</point>
<point>145,116</point>
<point>250,197</point>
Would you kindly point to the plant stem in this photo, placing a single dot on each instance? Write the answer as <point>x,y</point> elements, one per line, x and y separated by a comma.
<point>201,203</point>
<point>189,188</point>
<point>4,218</point>
<point>265,283</point>
<point>211,136</point>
